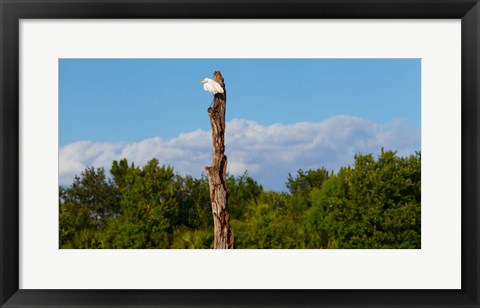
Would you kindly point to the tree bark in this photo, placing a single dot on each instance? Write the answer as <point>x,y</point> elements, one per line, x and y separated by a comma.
<point>216,173</point>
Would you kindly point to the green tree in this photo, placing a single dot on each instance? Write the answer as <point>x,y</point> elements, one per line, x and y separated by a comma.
<point>194,199</point>
<point>374,204</point>
<point>267,226</point>
<point>306,181</point>
<point>242,190</point>
<point>85,207</point>
<point>149,206</point>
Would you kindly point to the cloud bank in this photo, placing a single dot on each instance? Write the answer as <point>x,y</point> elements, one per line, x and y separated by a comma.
<point>268,153</point>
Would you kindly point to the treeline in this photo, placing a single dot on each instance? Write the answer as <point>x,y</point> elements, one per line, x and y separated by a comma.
<point>373,204</point>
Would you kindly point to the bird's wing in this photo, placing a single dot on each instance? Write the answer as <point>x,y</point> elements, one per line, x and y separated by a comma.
<point>217,86</point>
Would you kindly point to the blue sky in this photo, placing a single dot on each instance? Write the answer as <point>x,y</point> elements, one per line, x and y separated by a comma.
<point>129,100</point>
<point>120,102</point>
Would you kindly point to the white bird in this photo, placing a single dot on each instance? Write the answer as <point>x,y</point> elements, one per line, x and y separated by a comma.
<point>211,86</point>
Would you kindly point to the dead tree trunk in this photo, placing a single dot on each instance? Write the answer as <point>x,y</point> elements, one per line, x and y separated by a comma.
<point>216,173</point>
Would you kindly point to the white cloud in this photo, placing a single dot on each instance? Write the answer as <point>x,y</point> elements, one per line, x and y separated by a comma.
<point>269,153</point>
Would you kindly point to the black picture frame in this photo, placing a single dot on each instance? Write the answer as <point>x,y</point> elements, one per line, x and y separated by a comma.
<point>11,11</point>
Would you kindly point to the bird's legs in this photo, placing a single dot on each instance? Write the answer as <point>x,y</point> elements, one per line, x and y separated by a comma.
<point>213,101</point>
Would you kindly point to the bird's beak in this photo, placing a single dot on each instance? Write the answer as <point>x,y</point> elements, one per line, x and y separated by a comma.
<point>202,81</point>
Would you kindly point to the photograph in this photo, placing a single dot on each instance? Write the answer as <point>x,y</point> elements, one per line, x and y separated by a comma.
<point>316,153</point>
<point>239,153</point>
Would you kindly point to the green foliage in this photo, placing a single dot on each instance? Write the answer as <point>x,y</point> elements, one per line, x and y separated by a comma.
<point>266,226</point>
<point>193,239</point>
<point>375,203</point>
<point>194,199</point>
<point>306,181</point>
<point>86,205</point>
<point>242,190</point>
<point>149,206</point>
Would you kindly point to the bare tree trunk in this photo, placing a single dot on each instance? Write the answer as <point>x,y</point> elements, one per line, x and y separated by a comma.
<point>216,173</point>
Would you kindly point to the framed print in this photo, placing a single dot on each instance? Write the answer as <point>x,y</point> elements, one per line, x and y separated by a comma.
<point>351,131</point>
